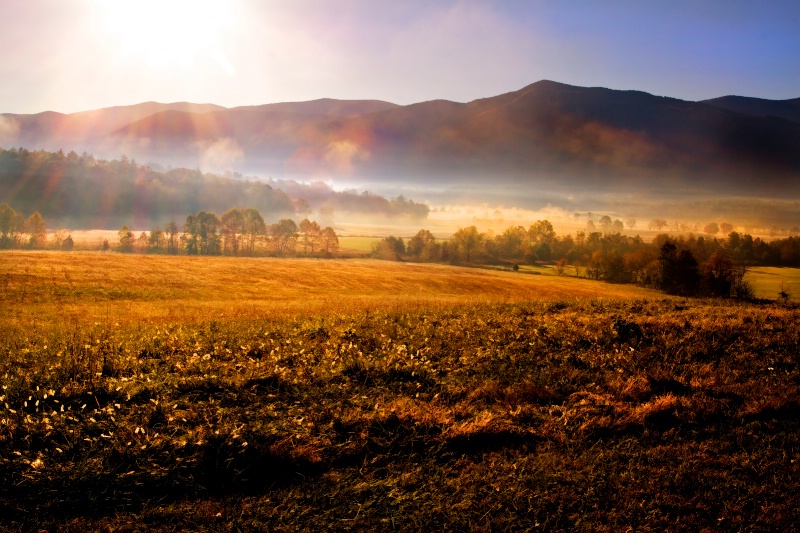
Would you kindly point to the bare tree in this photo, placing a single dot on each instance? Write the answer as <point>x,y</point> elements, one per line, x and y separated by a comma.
<point>157,241</point>
<point>142,242</point>
<point>232,223</point>
<point>560,265</point>
<point>172,237</point>
<point>284,235</point>
<point>202,234</point>
<point>783,292</point>
<point>58,237</point>
<point>12,224</point>
<point>309,234</point>
<point>37,230</point>
<point>126,239</point>
<point>254,228</point>
<point>328,240</point>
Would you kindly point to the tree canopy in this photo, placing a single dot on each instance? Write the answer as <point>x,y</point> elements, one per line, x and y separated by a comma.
<point>83,192</point>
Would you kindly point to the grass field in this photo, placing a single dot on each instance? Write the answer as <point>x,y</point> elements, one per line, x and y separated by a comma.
<point>767,281</point>
<point>357,244</point>
<point>114,288</point>
<point>182,394</point>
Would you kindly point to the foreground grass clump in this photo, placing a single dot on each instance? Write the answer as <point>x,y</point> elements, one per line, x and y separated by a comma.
<point>596,414</point>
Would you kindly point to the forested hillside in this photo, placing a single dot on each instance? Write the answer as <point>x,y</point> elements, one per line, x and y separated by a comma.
<point>81,191</point>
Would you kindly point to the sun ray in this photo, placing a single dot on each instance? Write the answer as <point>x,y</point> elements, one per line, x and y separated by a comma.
<point>166,33</point>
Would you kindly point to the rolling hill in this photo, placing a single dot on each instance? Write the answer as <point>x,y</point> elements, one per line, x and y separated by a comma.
<point>57,130</point>
<point>758,107</point>
<point>545,134</point>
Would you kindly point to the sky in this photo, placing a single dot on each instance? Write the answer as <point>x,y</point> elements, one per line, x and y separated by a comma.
<point>75,55</point>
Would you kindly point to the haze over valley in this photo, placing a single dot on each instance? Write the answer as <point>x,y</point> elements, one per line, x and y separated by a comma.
<point>485,112</point>
<point>548,147</point>
<point>367,265</point>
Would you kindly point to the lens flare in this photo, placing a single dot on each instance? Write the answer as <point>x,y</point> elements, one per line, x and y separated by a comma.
<point>166,33</point>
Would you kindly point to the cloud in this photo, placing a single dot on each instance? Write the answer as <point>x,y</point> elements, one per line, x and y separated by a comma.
<point>221,155</point>
<point>9,130</point>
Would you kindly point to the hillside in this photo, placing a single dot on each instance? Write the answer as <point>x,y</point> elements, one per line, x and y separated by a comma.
<point>546,134</point>
<point>590,137</point>
<point>81,192</point>
<point>57,130</point>
<point>758,107</point>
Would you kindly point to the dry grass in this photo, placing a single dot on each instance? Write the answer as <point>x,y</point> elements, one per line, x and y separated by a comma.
<point>86,287</point>
<point>570,414</point>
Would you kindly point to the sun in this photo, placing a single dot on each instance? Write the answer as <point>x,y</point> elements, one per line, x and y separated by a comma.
<point>165,33</point>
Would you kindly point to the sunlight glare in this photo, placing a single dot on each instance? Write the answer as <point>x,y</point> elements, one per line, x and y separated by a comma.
<point>167,33</point>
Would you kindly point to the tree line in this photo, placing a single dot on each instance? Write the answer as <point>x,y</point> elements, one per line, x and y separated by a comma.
<point>693,265</point>
<point>236,232</point>
<point>84,192</point>
<point>606,224</point>
<point>17,231</point>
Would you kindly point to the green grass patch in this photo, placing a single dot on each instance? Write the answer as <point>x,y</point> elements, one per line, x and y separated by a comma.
<point>768,282</point>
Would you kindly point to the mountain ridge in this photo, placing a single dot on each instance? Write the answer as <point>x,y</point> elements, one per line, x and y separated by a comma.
<point>544,133</point>
<point>785,109</point>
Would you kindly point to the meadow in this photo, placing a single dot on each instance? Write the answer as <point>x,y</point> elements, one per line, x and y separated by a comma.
<point>768,282</point>
<point>109,288</point>
<point>206,394</point>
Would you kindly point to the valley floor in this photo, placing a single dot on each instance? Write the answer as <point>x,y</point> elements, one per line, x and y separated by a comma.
<point>443,399</point>
<point>112,288</point>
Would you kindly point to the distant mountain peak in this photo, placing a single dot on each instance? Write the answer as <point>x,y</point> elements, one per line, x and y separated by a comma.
<point>544,131</point>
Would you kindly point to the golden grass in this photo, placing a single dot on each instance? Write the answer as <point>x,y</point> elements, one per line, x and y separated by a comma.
<point>357,243</point>
<point>535,416</point>
<point>86,287</point>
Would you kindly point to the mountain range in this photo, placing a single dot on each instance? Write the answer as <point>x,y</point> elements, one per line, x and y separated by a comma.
<point>547,134</point>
